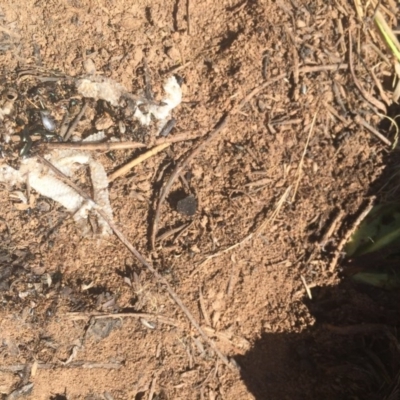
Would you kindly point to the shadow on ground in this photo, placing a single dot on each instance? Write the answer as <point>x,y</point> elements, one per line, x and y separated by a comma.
<point>352,351</point>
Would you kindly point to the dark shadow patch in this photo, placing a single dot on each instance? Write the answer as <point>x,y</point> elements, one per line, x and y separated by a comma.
<point>148,15</point>
<point>59,397</point>
<point>228,40</point>
<point>176,196</point>
<point>349,353</point>
<point>175,15</point>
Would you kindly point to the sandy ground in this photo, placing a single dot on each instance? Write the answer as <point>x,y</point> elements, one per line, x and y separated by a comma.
<point>273,191</point>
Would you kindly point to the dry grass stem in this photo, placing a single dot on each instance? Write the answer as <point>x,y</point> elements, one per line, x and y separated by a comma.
<point>127,167</point>
<point>303,280</point>
<point>203,308</point>
<point>300,168</point>
<point>77,316</point>
<point>142,260</point>
<point>361,121</point>
<point>178,170</point>
<point>371,99</point>
<point>75,122</point>
<point>108,146</point>
<point>77,364</point>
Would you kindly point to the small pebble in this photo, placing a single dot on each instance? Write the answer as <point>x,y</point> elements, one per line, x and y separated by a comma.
<point>187,206</point>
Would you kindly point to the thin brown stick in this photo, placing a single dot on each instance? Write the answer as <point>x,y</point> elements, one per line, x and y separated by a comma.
<point>331,229</point>
<point>64,124</point>
<point>77,364</point>
<point>91,146</point>
<point>260,88</point>
<point>295,60</point>
<point>140,258</point>
<point>107,146</point>
<point>77,316</point>
<point>127,167</point>
<point>371,99</point>
<point>256,232</point>
<point>223,251</point>
<point>76,120</point>
<point>178,170</point>
<point>152,388</point>
<point>203,308</point>
<point>333,111</point>
<point>378,84</point>
<point>300,168</point>
<point>171,232</point>
<point>188,16</point>
<point>361,121</point>
<point>349,233</point>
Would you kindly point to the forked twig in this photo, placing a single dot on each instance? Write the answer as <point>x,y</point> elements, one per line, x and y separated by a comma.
<point>177,171</point>
<point>139,257</point>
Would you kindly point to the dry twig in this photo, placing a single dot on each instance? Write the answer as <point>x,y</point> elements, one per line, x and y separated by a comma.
<point>75,122</point>
<point>76,316</point>
<point>188,16</point>
<point>300,168</point>
<point>127,167</point>
<point>361,121</point>
<point>271,219</point>
<point>371,99</point>
<point>152,388</point>
<point>203,308</point>
<point>141,259</point>
<point>108,146</point>
<point>177,171</point>
<point>350,232</point>
<point>77,364</point>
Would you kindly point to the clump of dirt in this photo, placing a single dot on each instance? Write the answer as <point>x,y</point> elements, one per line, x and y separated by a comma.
<point>251,220</point>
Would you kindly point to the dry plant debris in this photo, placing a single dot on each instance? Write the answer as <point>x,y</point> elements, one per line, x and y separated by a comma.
<point>305,101</point>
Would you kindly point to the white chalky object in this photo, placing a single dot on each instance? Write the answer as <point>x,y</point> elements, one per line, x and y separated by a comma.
<point>46,183</point>
<point>173,97</point>
<point>101,88</point>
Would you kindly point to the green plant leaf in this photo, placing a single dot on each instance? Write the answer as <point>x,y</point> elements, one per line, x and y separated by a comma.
<point>383,280</point>
<point>379,229</point>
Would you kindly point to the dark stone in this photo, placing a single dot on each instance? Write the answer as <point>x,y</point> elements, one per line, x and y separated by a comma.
<point>187,206</point>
